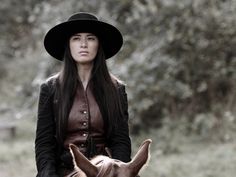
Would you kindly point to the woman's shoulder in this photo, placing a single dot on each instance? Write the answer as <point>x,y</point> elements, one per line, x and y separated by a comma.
<point>50,81</point>
<point>120,85</point>
<point>118,82</point>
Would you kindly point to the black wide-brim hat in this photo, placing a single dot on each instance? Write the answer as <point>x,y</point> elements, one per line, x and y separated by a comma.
<point>109,36</point>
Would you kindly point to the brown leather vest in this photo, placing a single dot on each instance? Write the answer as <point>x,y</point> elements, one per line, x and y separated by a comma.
<point>85,122</point>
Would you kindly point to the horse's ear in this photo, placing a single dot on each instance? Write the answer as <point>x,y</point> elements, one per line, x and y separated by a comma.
<point>141,157</point>
<point>82,162</point>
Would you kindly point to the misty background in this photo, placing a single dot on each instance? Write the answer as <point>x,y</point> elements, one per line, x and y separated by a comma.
<point>178,61</point>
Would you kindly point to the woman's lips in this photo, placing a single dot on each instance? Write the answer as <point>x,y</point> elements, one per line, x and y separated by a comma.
<point>83,52</point>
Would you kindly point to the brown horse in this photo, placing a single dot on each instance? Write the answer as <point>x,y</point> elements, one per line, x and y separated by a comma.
<point>103,166</point>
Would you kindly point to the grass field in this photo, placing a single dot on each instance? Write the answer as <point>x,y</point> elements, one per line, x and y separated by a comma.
<point>178,156</point>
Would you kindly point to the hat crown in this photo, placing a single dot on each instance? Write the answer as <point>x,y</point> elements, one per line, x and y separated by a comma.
<point>83,16</point>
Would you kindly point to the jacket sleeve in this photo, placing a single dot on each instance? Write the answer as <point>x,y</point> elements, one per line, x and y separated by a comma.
<point>45,141</point>
<point>120,140</point>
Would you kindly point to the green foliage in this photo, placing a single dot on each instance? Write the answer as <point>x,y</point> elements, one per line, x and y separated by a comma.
<point>183,62</point>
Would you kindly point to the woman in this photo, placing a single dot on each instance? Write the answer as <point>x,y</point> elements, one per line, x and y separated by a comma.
<point>83,104</point>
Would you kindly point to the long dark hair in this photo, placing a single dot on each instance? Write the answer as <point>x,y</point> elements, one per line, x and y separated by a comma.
<point>104,88</point>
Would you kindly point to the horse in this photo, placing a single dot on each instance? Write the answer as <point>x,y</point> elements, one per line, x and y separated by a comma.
<point>104,166</point>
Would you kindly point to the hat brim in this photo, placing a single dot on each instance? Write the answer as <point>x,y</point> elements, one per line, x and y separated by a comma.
<point>56,38</point>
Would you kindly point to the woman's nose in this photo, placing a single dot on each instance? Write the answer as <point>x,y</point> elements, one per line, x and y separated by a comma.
<point>84,43</point>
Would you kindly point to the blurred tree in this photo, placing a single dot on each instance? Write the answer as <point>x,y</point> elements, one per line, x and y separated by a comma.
<point>182,59</point>
<point>16,25</point>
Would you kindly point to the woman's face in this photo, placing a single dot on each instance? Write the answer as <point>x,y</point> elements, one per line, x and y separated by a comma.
<point>83,47</point>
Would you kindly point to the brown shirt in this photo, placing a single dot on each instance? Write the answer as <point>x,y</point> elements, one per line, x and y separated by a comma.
<point>85,120</point>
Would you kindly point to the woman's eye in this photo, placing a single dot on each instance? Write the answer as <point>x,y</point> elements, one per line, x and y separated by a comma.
<point>75,38</point>
<point>91,38</point>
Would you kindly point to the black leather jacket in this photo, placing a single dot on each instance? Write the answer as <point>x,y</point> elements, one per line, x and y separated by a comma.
<point>47,147</point>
